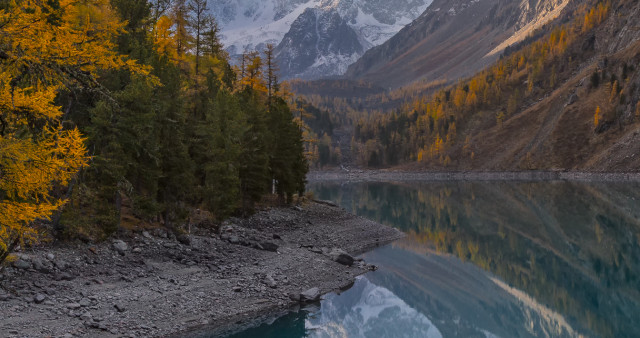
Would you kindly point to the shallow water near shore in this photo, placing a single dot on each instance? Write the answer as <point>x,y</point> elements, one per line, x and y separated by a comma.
<point>486,259</point>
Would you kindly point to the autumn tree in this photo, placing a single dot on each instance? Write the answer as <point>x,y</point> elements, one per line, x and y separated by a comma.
<point>46,47</point>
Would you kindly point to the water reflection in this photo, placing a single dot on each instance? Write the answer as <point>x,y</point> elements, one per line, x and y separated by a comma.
<point>573,248</point>
<point>499,259</point>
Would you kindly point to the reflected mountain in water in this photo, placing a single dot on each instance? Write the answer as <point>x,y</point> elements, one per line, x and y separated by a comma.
<point>492,259</point>
<point>568,252</point>
<point>368,310</point>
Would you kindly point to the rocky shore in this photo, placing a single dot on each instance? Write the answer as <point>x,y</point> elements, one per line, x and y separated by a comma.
<point>401,175</point>
<point>151,283</point>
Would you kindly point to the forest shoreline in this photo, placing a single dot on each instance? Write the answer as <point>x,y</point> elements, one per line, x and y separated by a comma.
<point>408,175</point>
<point>150,283</point>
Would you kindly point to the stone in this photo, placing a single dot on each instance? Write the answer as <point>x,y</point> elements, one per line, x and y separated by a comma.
<point>64,276</point>
<point>120,307</point>
<point>170,245</point>
<point>120,246</point>
<point>39,266</point>
<point>268,246</point>
<point>340,256</point>
<point>51,256</point>
<point>311,295</point>
<point>237,289</point>
<point>84,302</point>
<point>146,234</point>
<point>136,250</point>
<point>86,315</point>
<point>294,297</point>
<point>39,298</point>
<point>73,306</point>
<point>184,239</point>
<point>270,282</point>
<point>21,264</point>
<point>234,239</point>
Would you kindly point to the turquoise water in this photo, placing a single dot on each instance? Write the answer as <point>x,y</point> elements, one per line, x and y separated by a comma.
<point>498,259</point>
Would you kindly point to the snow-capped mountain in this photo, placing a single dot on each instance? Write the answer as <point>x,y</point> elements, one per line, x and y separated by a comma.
<point>250,24</point>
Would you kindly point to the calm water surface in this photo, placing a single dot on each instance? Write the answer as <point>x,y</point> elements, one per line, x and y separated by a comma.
<point>498,259</point>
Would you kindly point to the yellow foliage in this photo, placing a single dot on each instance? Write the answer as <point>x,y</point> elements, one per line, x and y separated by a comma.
<point>43,48</point>
<point>164,38</point>
<point>596,117</point>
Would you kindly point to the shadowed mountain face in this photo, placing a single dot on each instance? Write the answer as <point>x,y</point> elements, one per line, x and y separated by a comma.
<point>514,259</point>
<point>320,42</point>
<point>453,39</point>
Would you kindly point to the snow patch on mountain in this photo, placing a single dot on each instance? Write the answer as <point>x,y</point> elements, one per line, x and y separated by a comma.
<point>251,24</point>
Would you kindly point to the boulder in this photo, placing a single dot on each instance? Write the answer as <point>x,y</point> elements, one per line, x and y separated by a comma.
<point>120,246</point>
<point>269,246</point>
<point>22,264</point>
<point>340,256</point>
<point>184,239</point>
<point>311,295</point>
<point>39,298</point>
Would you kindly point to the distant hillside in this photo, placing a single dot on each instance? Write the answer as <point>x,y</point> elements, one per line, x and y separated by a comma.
<point>568,100</point>
<point>453,39</point>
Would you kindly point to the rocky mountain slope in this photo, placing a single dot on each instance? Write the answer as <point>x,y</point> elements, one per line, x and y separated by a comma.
<point>315,44</point>
<point>566,99</point>
<point>453,39</point>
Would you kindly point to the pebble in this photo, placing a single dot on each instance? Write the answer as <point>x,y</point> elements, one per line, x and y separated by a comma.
<point>39,298</point>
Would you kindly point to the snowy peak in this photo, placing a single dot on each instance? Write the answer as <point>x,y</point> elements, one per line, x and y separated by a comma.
<point>251,24</point>
<point>319,43</point>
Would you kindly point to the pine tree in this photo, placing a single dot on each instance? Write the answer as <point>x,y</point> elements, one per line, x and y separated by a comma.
<point>198,21</point>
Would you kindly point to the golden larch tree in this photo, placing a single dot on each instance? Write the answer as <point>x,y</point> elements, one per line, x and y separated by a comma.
<point>45,47</point>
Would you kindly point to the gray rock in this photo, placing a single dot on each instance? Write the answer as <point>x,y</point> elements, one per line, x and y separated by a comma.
<point>51,256</point>
<point>184,239</point>
<point>86,315</point>
<point>270,282</point>
<point>73,306</point>
<point>21,264</point>
<point>41,267</point>
<point>4,297</point>
<point>294,297</point>
<point>136,250</point>
<point>340,256</point>
<point>268,246</point>
<point>84,302</point>
<point>64,276</point>
<point>170,245</point>
<point>234,240</point>
<point>311,295</point>
<point>237,289</point>
<point>39,298</point>
<point>120,246</point>
<point>146,234</point>
<point>120,307</point>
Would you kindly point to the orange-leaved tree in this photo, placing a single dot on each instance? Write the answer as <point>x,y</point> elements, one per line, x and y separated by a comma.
<point>46,47</point>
